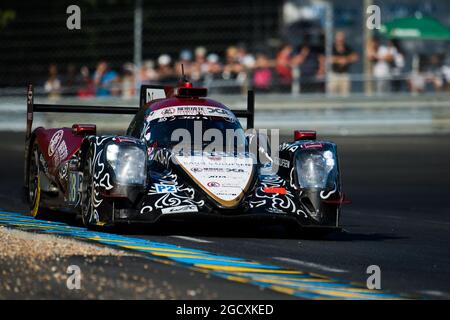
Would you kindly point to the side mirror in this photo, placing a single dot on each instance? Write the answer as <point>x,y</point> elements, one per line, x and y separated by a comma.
<point>84,129</point>
<point>305,135</point>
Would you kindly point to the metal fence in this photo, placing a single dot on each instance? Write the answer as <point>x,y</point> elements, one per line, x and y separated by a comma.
<point>227,47</point>
<point>33,35</point>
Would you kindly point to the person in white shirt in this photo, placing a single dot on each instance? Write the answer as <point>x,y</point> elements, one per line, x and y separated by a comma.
<point>383,58</point>
<point>53,85</point>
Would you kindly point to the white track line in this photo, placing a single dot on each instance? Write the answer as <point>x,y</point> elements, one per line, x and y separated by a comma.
<point>310,265</point>
<point>192,239</point>
<point>434,293</point>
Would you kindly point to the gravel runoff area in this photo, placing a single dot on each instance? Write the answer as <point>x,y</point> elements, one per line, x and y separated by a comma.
<point>34,266</point>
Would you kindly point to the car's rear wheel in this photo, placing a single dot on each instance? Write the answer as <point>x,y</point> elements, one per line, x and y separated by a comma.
<point>34,185</point>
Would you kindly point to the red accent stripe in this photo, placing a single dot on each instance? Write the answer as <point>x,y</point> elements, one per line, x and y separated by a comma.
<point>279,190</point>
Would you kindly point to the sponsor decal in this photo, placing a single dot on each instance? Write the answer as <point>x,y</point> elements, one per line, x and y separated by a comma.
<point>168,111</point>
<point>226,194</point>
<point>186,208</point>
<point>213,184</point>
<point>236,170</point>
<point>74,186</point>
<point>57,148</point>
<point>312,145</point>
<point>63,171</point>
<point>54,142</point>
<point>60,154</point>
<point>282,162</point>
<point>225,181</point>
<point>288,147</point>
<point>279,190</point>
<point>207,111</point>
<point>165,188</point>
<point>62,150</point>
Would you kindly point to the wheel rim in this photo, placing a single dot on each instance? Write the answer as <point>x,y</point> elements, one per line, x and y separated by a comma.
<point>34,188</point>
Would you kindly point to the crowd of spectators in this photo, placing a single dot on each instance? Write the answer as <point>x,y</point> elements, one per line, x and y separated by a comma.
<point>289,69</point>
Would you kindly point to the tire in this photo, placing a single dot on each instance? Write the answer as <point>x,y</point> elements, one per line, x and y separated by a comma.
<point>34,185</point>
<point>87,207</point>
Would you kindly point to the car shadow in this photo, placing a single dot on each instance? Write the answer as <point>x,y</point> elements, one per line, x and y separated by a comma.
<point>231,230</point>
<point>279,231</point>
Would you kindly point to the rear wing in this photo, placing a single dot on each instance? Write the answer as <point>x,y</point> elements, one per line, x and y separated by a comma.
<point>38,107</point>
<point>147,94</point>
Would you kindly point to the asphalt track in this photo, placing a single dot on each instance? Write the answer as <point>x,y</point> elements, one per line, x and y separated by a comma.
<point>399,220</point>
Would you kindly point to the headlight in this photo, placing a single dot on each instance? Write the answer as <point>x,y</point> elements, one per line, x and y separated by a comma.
<point>316,169</point>
<point>128,163</point>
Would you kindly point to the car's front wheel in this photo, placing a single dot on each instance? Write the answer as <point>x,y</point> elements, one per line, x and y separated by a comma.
<point>88,192</point>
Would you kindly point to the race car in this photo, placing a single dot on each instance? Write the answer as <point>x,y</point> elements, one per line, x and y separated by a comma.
<point>147,176</point>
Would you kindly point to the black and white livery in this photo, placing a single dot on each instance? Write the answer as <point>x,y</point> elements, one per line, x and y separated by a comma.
<point>144,176</point>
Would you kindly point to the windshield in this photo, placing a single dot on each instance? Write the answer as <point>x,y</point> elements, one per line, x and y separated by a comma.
<point>223,132</point>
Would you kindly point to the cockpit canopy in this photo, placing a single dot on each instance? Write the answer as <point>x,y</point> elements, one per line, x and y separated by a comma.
<point>198,125</point>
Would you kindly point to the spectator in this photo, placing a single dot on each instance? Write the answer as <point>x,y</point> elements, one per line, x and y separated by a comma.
<point>70,81</point>
<point>435,74</point>
<point>283,66</point>
<point>383,59</point>
<point>53,85</point>
<point>233,68</point>
<point>417,82</point>
<point>105,80</point>
<point>417,79</point>
<point>200,65</point>
<point>128,81</point>
<point>309,60</point>
<point>262,76</point>
<point>165,71</point>
<point>397,64</point>
<point>343,57</point>
<point>148,72</point>
<point>186,61</point>
<point>446,75</point>
<point>244,58</point>
<point>214,68</point>
<point>86,85</point>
